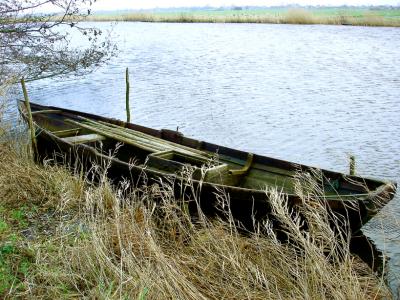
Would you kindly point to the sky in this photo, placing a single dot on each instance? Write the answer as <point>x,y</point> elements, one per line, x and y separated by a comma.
<point>146,4</point>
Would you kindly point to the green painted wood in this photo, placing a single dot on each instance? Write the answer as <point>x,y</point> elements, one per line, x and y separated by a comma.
<point>47,111</point>
<point>245,169</point>
<point>128,109</point>
<point>150,137</point>
<point>66,132</point>
<point>113,136</point>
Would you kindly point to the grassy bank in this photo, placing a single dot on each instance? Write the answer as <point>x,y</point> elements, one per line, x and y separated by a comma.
<point>62,236</point>
<point>329,16</point>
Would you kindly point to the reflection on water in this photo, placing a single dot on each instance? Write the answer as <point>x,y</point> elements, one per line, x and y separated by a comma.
<point>309,94</point>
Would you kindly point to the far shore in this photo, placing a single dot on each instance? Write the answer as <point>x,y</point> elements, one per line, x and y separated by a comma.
<point>389,17</point>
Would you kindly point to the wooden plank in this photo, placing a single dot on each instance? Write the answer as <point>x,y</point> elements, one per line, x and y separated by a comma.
<point>150,137</point>
<point>66,132</point>
<point>46,111</point>
<point>81,139</point>
<point>112,136</point>
<point>154,142</point>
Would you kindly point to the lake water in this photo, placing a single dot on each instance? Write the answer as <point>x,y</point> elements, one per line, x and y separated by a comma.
<point>308,94</point>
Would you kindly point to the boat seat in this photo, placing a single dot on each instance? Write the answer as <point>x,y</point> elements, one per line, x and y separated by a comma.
<point>174,162</point>
<point>86,138</point>
<point>217,174</point>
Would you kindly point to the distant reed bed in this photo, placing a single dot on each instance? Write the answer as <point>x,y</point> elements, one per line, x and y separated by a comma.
<point>291,16</point>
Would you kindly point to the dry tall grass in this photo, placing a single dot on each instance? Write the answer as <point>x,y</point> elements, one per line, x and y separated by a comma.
<point>63,236</point>
<point>291,16</point>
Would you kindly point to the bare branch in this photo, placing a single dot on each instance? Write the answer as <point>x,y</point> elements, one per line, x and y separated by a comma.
<point>32,44</point>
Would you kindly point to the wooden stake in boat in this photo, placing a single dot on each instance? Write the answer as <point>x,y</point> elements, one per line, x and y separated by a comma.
<point>352,166</point>
<point>128,109</point>
<point>29,113</point>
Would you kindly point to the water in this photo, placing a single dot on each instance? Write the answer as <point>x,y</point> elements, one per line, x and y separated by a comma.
<point>309,94</point>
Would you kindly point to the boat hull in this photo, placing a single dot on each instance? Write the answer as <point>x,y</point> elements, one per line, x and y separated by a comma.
<point>247,206</point>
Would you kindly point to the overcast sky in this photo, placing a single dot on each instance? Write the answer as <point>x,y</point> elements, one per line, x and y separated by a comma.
<point>137,4</point>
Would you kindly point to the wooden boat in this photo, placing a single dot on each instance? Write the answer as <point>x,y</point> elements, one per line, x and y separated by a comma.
<point>148,155</point>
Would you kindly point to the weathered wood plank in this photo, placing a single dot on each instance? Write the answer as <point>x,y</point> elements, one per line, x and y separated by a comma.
<point>46,111</point>
<point>81,139</point>
<point>66,132</point>
<point>113,136</point>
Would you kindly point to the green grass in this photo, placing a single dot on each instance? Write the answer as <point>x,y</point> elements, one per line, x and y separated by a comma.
<point>325,15</point>
<point>15,259</point>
